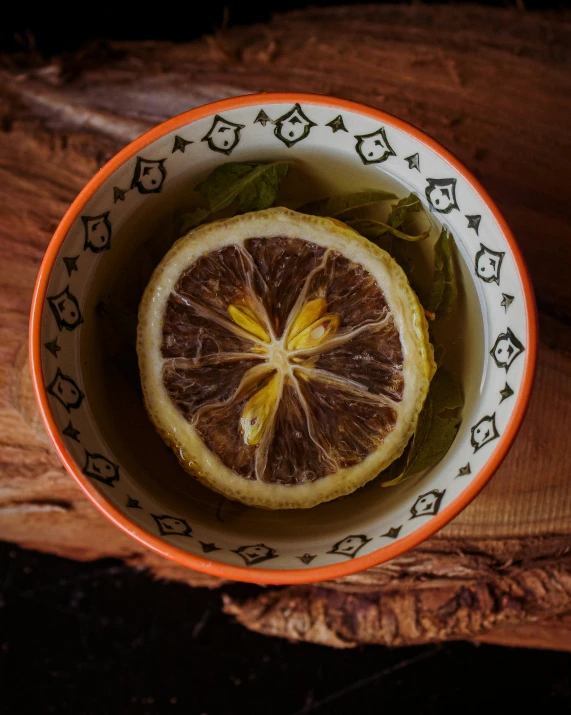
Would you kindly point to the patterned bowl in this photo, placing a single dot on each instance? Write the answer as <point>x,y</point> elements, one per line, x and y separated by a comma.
<point>96,420</point>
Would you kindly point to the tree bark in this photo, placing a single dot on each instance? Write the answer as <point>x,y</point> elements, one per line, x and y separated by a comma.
<point>494,86</point>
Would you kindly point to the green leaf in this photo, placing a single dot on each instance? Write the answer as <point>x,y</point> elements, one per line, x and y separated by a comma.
<point>375,232</point>
<point>434,434</point>
<point>445,392</point>
<point>333,206</point>
<point>439,439</point>
<point>439,351</point>
<point>373,229</point>
<point>252,187</point>
<point>401,468</point>
<point>192,219</point>
<point>444,289</point>
<point>399,251</point>
<point>403,209</point>
<point>383,234</point>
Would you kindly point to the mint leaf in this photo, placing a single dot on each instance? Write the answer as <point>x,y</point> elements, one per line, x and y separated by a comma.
<point>192,219</point>
<point>373,230</point>
<point>399,251</point>
<point>401,468</point>
<point>333,206</point>
<point>439,351</point>
<point>439,438</point>
<point>434,434</point>
<point>252,187</point>
<point>444,289</point>
<point>444,391</point>
<point>382,235</point>
<point>403,209</point>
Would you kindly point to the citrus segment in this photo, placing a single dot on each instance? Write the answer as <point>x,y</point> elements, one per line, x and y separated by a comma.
<point>311,311</point>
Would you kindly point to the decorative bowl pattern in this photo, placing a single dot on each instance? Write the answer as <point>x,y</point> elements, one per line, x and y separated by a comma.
<point>353,533</point>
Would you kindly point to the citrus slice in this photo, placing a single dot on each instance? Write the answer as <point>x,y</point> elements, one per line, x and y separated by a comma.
<point>283,357</point>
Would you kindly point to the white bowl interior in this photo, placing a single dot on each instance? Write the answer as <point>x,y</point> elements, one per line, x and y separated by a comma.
<point>151,488</point>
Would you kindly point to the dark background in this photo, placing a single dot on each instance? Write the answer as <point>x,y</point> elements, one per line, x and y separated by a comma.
<point>53,27</point>
<point>101,638</point>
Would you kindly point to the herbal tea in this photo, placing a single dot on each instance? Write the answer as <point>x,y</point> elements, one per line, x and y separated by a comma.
<point>388,217</point>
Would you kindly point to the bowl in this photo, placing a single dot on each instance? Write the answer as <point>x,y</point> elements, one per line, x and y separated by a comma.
<point>94,414</point>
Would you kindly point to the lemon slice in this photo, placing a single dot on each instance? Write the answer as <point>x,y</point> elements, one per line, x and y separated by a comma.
<point>283,357</point>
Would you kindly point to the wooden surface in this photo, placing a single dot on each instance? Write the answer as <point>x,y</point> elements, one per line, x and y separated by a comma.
<point>494,86</point>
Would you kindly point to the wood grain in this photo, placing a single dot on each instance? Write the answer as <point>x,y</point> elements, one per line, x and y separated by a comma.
<point>494,86</point>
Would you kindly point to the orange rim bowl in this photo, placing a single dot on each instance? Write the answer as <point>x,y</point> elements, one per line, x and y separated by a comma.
<point>245,573</point>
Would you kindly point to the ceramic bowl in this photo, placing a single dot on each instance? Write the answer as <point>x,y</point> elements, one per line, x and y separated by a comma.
<point>96,420</point>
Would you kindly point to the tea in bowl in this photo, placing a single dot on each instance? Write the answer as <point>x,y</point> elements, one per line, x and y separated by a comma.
<point>323,371</point>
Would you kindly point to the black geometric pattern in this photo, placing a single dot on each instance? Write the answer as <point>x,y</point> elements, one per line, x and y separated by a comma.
<point>66,391</point>
<point>255,554</point>
<point>97,233</point>
<point>506,349</point>
<point>306,558</point>
<point>149,175</point>
<point>427,504</point>
<point>119,194</point>
<point>350,545</point>
<point>172,525</point>
<point>463,471</point>
<point>507,300</point>
<point>65,309</point>
<point>53,347</point>
<point>71,432</point>
<point>223,135</point>
<point>474,222</point>
<point>262,118</point>
<point>337,125</point>
<point>70,264</point>
<point>484,432</point>
<point>293,126</point>
<point>99,467</point>
<point>393,532</point>
<point>488,264</point>
<point>441,195</point>
<point>506,392</point>
<point>413,161</point>
<point>180,144</point>
<point>374,148</point>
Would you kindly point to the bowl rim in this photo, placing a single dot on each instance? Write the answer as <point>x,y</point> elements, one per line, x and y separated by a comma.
<point>245,573</point>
